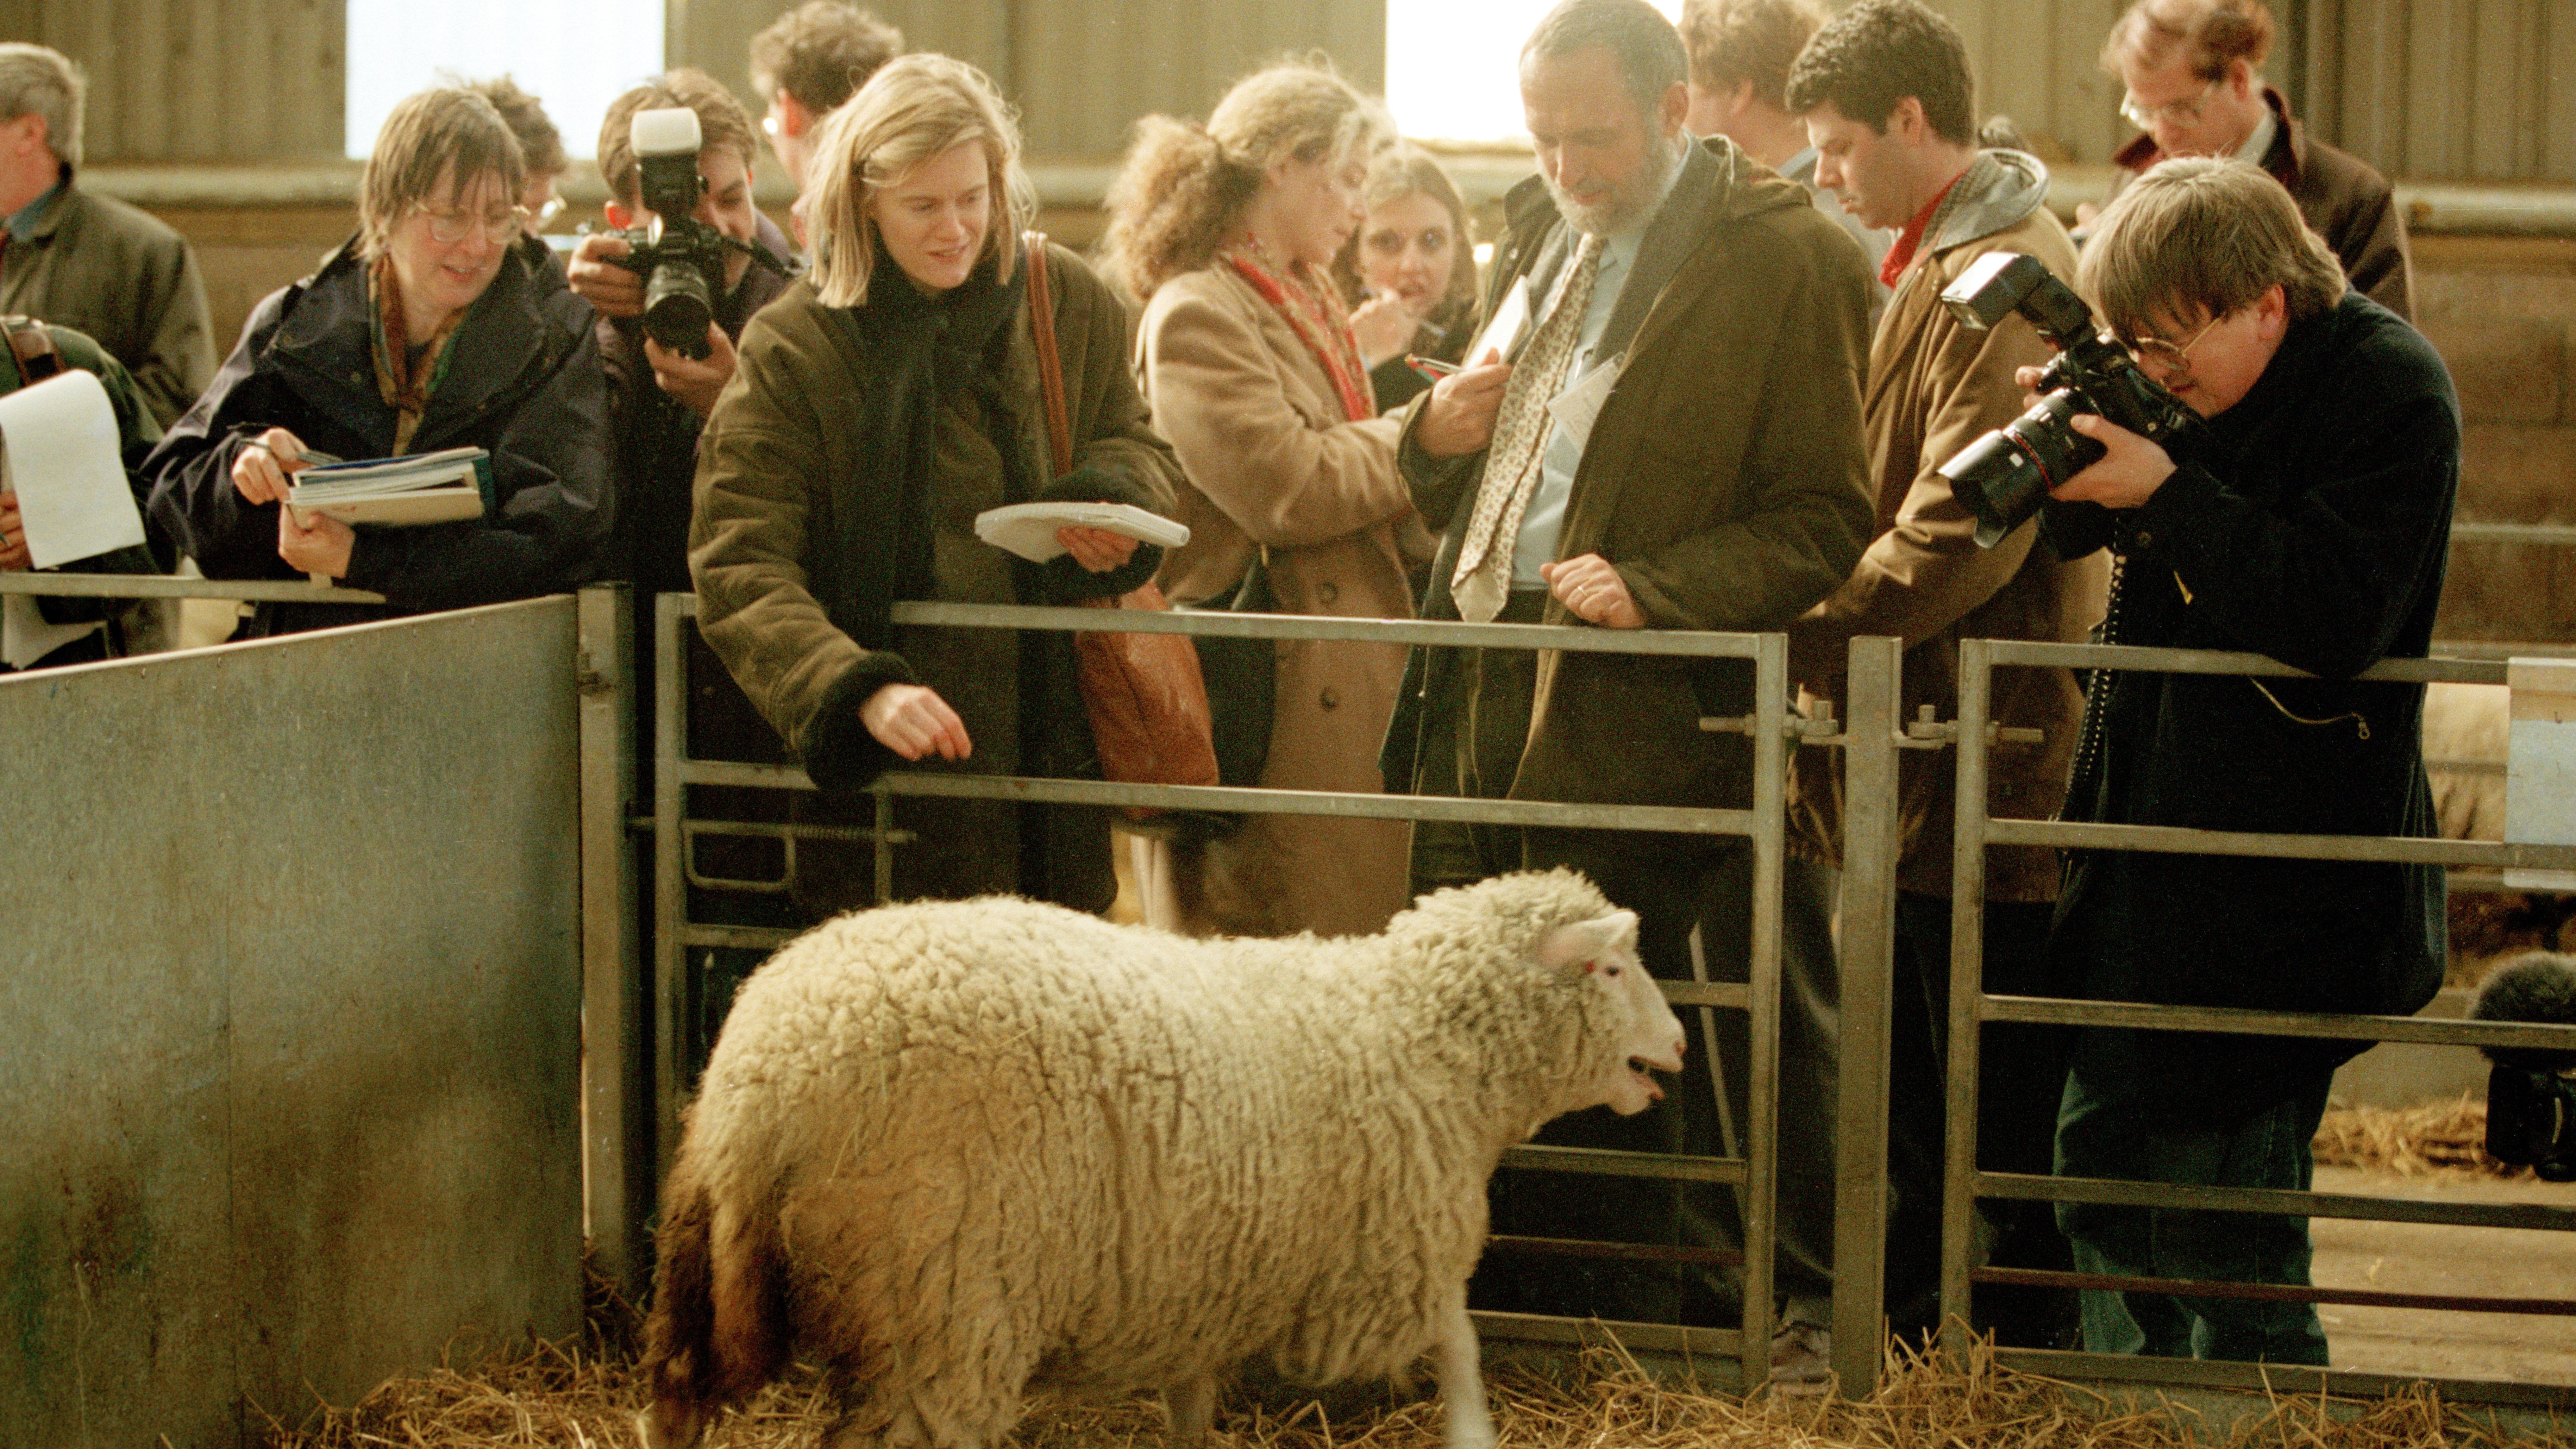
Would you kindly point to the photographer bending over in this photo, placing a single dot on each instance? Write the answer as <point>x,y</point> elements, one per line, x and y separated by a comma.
<point>2308,524</point>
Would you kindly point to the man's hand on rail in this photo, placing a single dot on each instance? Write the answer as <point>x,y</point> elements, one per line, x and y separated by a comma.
<point>1594,592</point>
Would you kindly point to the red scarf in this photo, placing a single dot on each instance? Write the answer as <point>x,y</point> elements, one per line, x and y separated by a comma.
<point>1307,298</point>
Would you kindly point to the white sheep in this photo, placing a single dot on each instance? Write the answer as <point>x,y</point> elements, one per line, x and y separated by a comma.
<point>948,1149</point>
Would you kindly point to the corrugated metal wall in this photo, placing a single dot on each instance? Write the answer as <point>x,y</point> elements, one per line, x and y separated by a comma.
<point>199,80</point>
<point>1081,70</point>
<point>2429,89</point>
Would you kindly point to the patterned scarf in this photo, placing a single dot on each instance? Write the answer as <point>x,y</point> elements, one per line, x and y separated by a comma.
<point>1313,306</point>
<point>405,390</point>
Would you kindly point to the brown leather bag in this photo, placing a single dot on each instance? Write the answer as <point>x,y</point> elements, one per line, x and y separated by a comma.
<point>1147,701</point>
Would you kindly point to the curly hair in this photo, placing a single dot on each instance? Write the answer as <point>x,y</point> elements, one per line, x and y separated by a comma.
<point>1879,52</point>
<point>1731,42</point>
<point>2213,34</point>
<point>1183,185</point>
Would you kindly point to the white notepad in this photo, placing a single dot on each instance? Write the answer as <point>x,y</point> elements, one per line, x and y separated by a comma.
<point>1028,529</point>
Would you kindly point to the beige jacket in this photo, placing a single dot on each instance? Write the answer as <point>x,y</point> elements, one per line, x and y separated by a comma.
<point>1934,387</point>
<point>1272,464</point>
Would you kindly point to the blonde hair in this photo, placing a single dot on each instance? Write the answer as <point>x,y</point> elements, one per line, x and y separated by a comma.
<point>445,131</point>
<point>2199,234</point>
<point>1408,170</point>
<point>1183,185</point>
<point>914,109</point>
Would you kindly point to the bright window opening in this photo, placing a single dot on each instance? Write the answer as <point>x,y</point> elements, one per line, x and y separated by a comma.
<point>574,56</point>
<point>1453,69</point>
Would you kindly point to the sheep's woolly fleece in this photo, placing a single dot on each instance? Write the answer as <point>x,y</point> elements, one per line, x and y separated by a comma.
<point>904,1083</point>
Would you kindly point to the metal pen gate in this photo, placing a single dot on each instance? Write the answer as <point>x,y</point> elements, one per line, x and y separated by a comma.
<point>1971,1007</point>
<point>1751,1174</point>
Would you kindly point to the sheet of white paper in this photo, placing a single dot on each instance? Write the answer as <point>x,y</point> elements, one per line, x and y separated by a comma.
<point>60,439</point>
<point>25,637</point>
<point>1503,329</point>
<point>1578,406</point>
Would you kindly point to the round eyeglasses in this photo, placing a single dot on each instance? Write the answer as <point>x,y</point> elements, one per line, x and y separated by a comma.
<point>499,227</point>
<point>2185,112</point>
<point>2170,358</point>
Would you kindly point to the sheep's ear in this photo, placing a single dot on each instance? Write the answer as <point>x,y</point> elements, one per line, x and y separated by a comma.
<point>1578,945</point>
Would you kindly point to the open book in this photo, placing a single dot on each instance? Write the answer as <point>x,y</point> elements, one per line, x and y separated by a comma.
<point>419,488</point>
<point>1028,529</point>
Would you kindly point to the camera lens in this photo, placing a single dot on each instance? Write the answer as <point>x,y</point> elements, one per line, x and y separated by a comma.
<point>678,309</point>
<point>2004,477</point>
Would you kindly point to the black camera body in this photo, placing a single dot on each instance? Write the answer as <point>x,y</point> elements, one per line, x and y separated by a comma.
<point>2004,477</point>
<point>2531,1103</point>
<point>681,258</point>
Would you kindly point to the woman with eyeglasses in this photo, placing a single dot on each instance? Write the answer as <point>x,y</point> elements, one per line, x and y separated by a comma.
<point>429,329</point>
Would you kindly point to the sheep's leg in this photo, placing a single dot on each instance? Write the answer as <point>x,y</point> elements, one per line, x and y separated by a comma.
<point>1191,1407</point>
<point>1462,1384</point>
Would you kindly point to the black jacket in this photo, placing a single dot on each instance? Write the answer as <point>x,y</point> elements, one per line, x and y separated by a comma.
<point>524,382</point>
<point>657,436</point>
<point>2311,527</point>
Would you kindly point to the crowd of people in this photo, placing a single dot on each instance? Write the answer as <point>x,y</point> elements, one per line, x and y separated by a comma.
<point>1729,410</point>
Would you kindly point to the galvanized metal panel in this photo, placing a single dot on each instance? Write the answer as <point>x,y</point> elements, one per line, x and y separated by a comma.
<point>289,1012</point>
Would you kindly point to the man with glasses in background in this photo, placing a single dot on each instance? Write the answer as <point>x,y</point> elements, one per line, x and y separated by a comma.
<point>2194,76</point>
<point>2308,523</point>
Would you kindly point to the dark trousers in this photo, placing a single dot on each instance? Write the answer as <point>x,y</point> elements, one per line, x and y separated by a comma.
<point>2107,1128</point>
<point>2021,1073</point>
<point>1677,885</point>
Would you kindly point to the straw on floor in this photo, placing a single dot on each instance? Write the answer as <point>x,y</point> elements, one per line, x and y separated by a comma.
<point>558,1398</point>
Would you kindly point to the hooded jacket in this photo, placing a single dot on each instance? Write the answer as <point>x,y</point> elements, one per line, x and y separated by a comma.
<point>1936,386</point>
<point>522,382</point>
<point>1724,479</point>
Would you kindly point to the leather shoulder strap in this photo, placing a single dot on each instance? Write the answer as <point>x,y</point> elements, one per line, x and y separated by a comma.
<point>33,347</point>
<point>1050,366</point>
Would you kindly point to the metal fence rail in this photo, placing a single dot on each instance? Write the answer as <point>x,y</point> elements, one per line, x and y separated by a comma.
<point>1971,1007</point>
<point>1762,823</point>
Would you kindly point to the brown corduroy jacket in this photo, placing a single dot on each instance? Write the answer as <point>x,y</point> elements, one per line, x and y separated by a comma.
<point>1935,387</point>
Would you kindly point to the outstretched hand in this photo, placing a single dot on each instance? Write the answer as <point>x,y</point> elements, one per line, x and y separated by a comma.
<point>913,722</point>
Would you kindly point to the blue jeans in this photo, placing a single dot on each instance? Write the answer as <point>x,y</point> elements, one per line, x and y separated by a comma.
<point>2106,1130</point>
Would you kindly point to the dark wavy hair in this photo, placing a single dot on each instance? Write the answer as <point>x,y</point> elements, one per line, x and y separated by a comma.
<point>1879,52</point>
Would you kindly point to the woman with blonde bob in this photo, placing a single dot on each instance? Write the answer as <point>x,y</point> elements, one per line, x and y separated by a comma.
<point>876,408</point>
<point>1228,230</point>
<point>430,329</point>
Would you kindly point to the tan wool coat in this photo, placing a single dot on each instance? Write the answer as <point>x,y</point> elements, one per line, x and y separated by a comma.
<point>1273,466</point>
<point>1934,387</point>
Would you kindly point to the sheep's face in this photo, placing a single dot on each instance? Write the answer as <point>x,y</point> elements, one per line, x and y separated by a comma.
<point>1644,1034</point>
